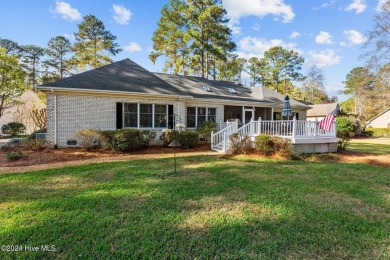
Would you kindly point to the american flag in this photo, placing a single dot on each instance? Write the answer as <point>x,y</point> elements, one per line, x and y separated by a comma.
<point>326,123</point>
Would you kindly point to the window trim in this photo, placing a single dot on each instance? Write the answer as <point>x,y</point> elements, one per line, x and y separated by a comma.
<point>196,115</point>
<point>139,113</point>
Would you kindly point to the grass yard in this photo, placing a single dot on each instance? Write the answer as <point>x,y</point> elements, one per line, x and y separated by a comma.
<point>214,208</point>
<point>372,145</point>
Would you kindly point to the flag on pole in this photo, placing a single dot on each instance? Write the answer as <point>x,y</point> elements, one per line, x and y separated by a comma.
<point>326,123</point>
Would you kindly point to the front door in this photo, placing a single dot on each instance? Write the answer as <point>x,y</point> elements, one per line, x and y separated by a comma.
<point>248,115</point>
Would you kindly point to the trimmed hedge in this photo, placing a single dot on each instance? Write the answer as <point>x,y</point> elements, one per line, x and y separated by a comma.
<point>126,140</point>
<point>378,132</point>
<point>187,139</point>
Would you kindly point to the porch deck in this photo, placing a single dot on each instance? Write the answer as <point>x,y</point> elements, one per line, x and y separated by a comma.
<point>298,131</point>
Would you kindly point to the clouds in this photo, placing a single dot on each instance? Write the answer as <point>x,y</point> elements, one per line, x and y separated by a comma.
<point>258,46</point>
<point>132,47</point>
<point>121,14</point>
<point>324,38</point>
<point>322,58</point>
<point>260,8</point>
<point>355,37</point>
<point>359,6</point>
<point>294,35</point>
<point>66,11</point>
<point>237,9</point>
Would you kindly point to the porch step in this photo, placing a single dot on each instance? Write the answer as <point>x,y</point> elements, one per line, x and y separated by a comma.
<point>218,147</point>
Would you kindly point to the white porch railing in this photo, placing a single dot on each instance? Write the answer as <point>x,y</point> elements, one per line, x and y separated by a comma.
<point>292,129</point>
<point>220,140</point>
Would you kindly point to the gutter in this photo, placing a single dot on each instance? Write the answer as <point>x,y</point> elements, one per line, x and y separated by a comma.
<point>96,91</point>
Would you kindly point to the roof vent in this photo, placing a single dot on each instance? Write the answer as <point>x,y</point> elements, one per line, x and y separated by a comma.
<point>206,88</point>
<point>232,90</point>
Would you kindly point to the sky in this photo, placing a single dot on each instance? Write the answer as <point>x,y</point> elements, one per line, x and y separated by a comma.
<point>327,33</point>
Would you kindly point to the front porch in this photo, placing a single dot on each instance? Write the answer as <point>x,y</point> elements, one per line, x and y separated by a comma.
<point>306,136</point>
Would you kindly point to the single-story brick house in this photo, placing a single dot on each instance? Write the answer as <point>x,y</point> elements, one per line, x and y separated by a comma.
<point>125,95</point>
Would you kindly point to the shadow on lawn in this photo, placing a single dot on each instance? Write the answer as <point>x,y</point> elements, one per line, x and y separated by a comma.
<point>213,208</point>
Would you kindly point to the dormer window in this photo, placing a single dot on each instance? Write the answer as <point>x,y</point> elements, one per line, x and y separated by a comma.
<point>206,88</point>
<point>232,90</point>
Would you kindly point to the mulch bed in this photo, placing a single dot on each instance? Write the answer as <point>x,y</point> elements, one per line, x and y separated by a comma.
<point>53,158</point>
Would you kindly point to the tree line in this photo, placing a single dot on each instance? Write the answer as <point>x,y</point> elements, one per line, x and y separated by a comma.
<point>194,39</point>
<point>24,66</point>
<point>192,36</point>
<point>369,85</point>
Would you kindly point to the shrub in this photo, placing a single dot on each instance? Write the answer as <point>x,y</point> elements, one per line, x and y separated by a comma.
<point>13,129</point>
<point>33,135</point>
<point>109,136</point>
<point>205,129</point>
<point>38,145</point>
<point>240,144</point>
<point>126,140</point>
<point>90,139</point>
<point>148,136</point>
<point>379,132</point>
<point>186,139</point>
<point>283,147</point>
<point>344,127</point>
<point>14,156</point>
<point>264,144</point>
<point>269,145</point>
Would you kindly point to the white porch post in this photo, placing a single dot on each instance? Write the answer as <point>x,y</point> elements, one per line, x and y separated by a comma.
<point>259,126</point>
<point>212,139</point>
<point>243,115</point>
<point>316,128</point>
<point>294,127</point>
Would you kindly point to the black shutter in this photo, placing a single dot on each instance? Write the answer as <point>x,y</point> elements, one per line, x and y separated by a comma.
<point>119,115</point>
<point>170,116</point>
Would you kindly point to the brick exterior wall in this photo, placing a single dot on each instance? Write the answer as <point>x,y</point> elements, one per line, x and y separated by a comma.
<point>78,112</point>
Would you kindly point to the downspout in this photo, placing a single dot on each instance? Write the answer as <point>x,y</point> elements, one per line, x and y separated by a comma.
<point>55,121</point>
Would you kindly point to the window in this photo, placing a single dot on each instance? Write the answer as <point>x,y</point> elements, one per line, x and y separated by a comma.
<point>191,117</point>
<point>131,115</point>
<point>160,116</point>
<point>201,115</point>
<point>146,115</point>
<point>198,115</point>
<point>211,114</point>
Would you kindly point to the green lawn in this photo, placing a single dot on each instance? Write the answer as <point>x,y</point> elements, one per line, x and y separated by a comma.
<point>214,208</point>
<point>369,148</point>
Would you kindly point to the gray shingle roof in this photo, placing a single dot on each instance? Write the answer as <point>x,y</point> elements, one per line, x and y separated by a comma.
<point>127,76</point>
<point>279,98</point>
<point>124,75</point>
<point>193,86</point>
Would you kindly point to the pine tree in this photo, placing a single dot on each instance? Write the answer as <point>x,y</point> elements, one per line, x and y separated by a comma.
<point>11,47</point>
<point>256,70</point>
<point>283,67</point>
<point>93,44</point>
<point>32,55</point>
<point>57,63</point>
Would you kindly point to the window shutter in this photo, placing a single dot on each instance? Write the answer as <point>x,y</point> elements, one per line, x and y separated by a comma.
<point>119,115</point>
<point>170,116</point>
